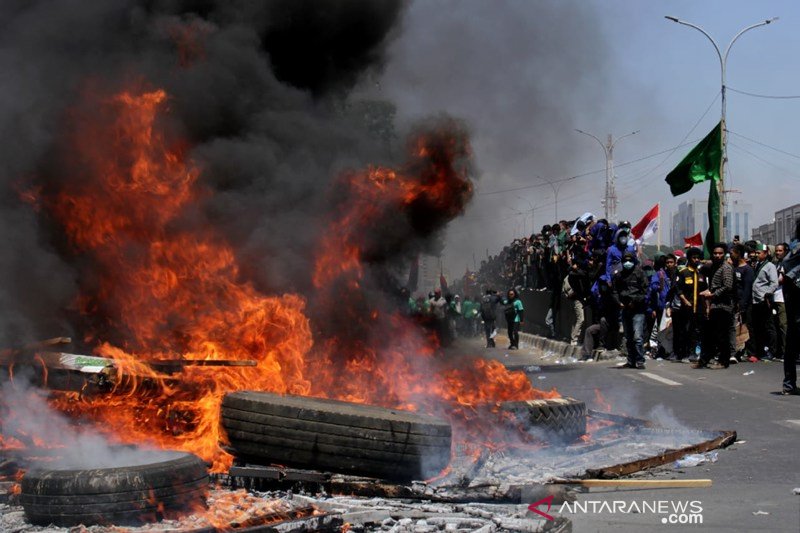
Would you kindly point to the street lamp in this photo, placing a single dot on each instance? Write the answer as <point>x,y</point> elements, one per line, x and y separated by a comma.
<point>611,193</point>
<point>723,61</point>
<point>555,191</point>
<point>533,225</point>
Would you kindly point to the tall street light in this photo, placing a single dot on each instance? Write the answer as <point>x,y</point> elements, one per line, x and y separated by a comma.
<point>723,62</point>
<point>611,193</point>
<point>555,191</point>
<point>533,227</point>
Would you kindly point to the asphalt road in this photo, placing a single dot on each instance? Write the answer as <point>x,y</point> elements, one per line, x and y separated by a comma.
<point>753,480</point>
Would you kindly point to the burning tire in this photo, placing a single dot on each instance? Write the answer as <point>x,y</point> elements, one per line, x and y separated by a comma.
<point>562,419</point>
<point>336,436</point>
<point>121,496</point>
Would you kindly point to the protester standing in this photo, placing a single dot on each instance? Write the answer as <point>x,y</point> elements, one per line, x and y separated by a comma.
<point>791,296</point>
<point>515,314</point>
<point>720,334</point>
<point>764,286</point>
<point>744,275</point>
<point>778,304</point>
<point>685,308</point>
<point>629,288</point>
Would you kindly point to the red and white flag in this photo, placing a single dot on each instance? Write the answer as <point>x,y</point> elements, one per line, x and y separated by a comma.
<point>647,226</point>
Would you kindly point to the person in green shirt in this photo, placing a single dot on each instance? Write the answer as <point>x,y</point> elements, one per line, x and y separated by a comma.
<point>515,316</point>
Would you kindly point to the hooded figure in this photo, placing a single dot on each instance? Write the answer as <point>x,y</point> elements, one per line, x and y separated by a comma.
<point>622,244</point>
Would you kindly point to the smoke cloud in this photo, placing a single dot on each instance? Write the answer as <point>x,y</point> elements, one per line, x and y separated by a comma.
<point>259,90</point>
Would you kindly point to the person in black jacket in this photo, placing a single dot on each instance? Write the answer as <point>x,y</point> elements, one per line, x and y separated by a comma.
<point>791,295</point>
<point>720,334</point>
<point>629,289</point>
<point>744,294</point>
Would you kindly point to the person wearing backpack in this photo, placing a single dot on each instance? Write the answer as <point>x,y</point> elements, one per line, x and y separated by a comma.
<point>791,297</point>
<point>488,312</point>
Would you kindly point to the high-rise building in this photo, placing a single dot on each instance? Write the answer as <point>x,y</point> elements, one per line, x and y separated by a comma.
<point>429,270</point>
<point>692,216</point>
<point>785,220</point>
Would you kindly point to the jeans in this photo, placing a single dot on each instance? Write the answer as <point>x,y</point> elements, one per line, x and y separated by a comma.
<point>633,324</point>
<point>575,335</point>
<point>780,328</point>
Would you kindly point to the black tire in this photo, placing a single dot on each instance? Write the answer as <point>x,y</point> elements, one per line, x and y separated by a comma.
<point>120,496</point>
<point>335,436</point>
<point>559,419</point>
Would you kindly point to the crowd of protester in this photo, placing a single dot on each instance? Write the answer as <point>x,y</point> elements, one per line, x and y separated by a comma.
<point>743,303</point>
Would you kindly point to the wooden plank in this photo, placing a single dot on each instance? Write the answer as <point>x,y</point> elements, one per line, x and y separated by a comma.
<point>725,439</point>
<point>638,483</point>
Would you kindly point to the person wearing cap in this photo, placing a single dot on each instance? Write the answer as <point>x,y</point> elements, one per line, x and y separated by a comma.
<point>744,294</point>
<point>629,290</point>
<point>685,307</point>
<point>764,286</point>
<point>720,332</point>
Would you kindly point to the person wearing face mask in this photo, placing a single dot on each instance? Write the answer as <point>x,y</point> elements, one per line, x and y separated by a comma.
<point>629,290</point>
<point>622,243</point>
<point>720,333</point>
<point>685,307</point>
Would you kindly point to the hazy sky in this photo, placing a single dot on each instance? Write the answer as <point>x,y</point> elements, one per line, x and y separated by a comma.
<point>525,74</point>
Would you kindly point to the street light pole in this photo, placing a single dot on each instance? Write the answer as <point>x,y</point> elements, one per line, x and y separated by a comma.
<point>611,193</point>
<point>533,226</point>
<point>723,62</point>
<point>555,191</point>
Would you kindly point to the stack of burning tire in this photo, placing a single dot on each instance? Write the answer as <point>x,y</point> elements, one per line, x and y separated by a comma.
<point>335,436</point>
<point>330,435</point>
<point>166,484</point>
<point>555,420</point>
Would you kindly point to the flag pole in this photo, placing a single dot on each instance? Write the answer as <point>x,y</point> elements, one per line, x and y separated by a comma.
<point>658,245</point>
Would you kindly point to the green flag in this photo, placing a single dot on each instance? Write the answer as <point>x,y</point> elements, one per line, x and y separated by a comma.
<point>702,164</point>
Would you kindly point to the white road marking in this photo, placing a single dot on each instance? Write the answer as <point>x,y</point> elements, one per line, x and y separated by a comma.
<point>659,378</point>
<point>794,424</point>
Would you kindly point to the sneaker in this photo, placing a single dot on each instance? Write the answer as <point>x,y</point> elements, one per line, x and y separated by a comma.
<point>626,365</point>
<point>790,392</point>
<point>753,359</point>
<point>513,348</point>
<point>698,364</point>
<point>717,366</point>
<point>733,360</point>
<point>693,359</point>
<point>640,366</point>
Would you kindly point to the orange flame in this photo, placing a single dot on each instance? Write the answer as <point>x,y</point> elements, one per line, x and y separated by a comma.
<point>165,286</point>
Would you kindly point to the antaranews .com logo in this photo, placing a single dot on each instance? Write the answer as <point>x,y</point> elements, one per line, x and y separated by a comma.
<point>675,512</point>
